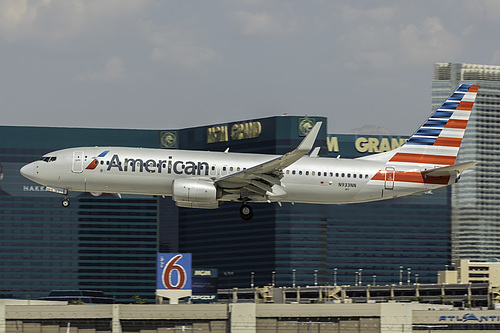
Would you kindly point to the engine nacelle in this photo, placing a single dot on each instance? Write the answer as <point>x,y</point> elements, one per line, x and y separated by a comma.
<point>194,193</point>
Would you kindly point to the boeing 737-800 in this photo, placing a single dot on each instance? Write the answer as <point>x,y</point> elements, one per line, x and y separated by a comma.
<point>202,179</point>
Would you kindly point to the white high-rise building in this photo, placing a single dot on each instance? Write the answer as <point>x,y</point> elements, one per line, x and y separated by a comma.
<point>475,200</point>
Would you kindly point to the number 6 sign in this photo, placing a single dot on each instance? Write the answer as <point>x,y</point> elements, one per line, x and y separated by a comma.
<point>174,271</point>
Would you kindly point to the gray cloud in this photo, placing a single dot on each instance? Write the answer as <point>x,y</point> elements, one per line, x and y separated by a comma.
<point>170,64</point>
<point>113,70</point>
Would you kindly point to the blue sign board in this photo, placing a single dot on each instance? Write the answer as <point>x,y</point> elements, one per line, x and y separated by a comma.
<point>174,271</point>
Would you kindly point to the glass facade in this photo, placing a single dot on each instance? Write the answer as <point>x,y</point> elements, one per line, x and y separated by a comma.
<point>100,242</point>
<point>323,244</point>
<point>103,242</point>
<point>475,209</point>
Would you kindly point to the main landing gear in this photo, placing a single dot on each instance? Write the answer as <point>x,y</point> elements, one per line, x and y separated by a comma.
<point>246,212</point>
<point>65,203</point>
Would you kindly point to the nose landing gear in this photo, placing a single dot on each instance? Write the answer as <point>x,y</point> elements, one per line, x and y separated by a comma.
<point>63,191</point>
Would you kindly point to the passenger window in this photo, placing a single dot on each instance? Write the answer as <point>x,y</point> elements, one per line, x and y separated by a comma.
<point>313,173</point>
<point>343,175</point>
<point>238,169</point>
<point>354,176</point>
<point>287,172</point>
<point>293,172</point>
<point>231,169</point>
<point>331,174</point>
<point>300,172</point>
<point>348,175</point>
<point>307,173</point>
<point>336,174</point>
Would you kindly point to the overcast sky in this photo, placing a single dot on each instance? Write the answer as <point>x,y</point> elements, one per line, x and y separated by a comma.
<point>171,64</point>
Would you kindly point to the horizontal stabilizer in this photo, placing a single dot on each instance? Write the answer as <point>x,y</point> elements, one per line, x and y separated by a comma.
<point>449,170</point>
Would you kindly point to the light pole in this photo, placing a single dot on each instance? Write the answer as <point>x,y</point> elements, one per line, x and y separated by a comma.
<point>274,278</point>
<point>374,280</point>
<point>252,274</point>
<point>315,277</point>
<point>293,277</point>
<point>416,278</point>
<point>356,274</point>
<point>409,274</point>
<point>335,276</point>
<point>360,271</point>
<point>400,275</point>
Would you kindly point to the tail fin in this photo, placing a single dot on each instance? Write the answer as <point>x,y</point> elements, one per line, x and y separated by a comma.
<point>437,142</point>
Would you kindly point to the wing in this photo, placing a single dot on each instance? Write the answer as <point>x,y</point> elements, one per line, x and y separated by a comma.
<point>261,177</point>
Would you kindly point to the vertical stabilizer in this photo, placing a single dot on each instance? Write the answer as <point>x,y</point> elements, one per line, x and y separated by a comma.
<point>437,142</point>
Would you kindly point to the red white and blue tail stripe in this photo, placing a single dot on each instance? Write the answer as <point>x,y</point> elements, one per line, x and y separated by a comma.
<point>437,141</point>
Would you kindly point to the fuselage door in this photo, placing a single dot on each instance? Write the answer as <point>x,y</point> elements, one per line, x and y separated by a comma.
<point>77,161</point>
<point>390,174</point>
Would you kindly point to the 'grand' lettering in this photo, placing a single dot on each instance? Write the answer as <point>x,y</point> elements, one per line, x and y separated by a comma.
<point>374,145</point>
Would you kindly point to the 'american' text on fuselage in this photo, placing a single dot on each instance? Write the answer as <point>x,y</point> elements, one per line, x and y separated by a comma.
<point>152,166</point>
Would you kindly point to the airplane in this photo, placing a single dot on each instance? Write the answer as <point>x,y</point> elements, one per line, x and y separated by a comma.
<point>206,179</point>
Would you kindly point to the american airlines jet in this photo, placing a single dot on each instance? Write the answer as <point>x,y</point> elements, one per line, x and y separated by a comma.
<point>202,179</point>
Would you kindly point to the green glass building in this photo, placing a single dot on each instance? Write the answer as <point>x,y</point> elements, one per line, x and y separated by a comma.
<point>98,243</point>
<point>103,242</point>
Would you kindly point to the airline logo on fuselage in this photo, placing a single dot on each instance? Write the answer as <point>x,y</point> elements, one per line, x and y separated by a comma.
<point>158,166</point>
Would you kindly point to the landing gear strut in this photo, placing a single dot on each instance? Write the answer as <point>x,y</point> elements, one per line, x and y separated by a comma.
<point>246,212</point>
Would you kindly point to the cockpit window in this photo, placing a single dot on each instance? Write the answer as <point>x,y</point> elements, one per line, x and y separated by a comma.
<point>49,158</point>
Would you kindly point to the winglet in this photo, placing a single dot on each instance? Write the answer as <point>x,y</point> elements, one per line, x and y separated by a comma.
<point>308,142</point>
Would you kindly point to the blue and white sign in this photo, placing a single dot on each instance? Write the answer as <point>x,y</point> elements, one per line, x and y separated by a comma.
<point>173,271</point>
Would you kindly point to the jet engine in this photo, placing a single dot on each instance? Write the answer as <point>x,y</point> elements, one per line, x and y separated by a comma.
<point>194,193</point>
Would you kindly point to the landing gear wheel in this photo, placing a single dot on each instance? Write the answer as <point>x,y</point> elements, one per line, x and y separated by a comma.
<point>65,203</point>
<point>246,212</point>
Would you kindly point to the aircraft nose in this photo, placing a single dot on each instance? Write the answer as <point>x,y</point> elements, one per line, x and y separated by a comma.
<point>28,171</point>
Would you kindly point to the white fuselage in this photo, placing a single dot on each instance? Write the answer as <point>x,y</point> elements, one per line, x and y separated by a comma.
<point>152,172</point>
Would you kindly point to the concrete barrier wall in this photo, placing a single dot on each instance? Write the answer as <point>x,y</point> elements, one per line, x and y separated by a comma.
<point>215,318</point>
